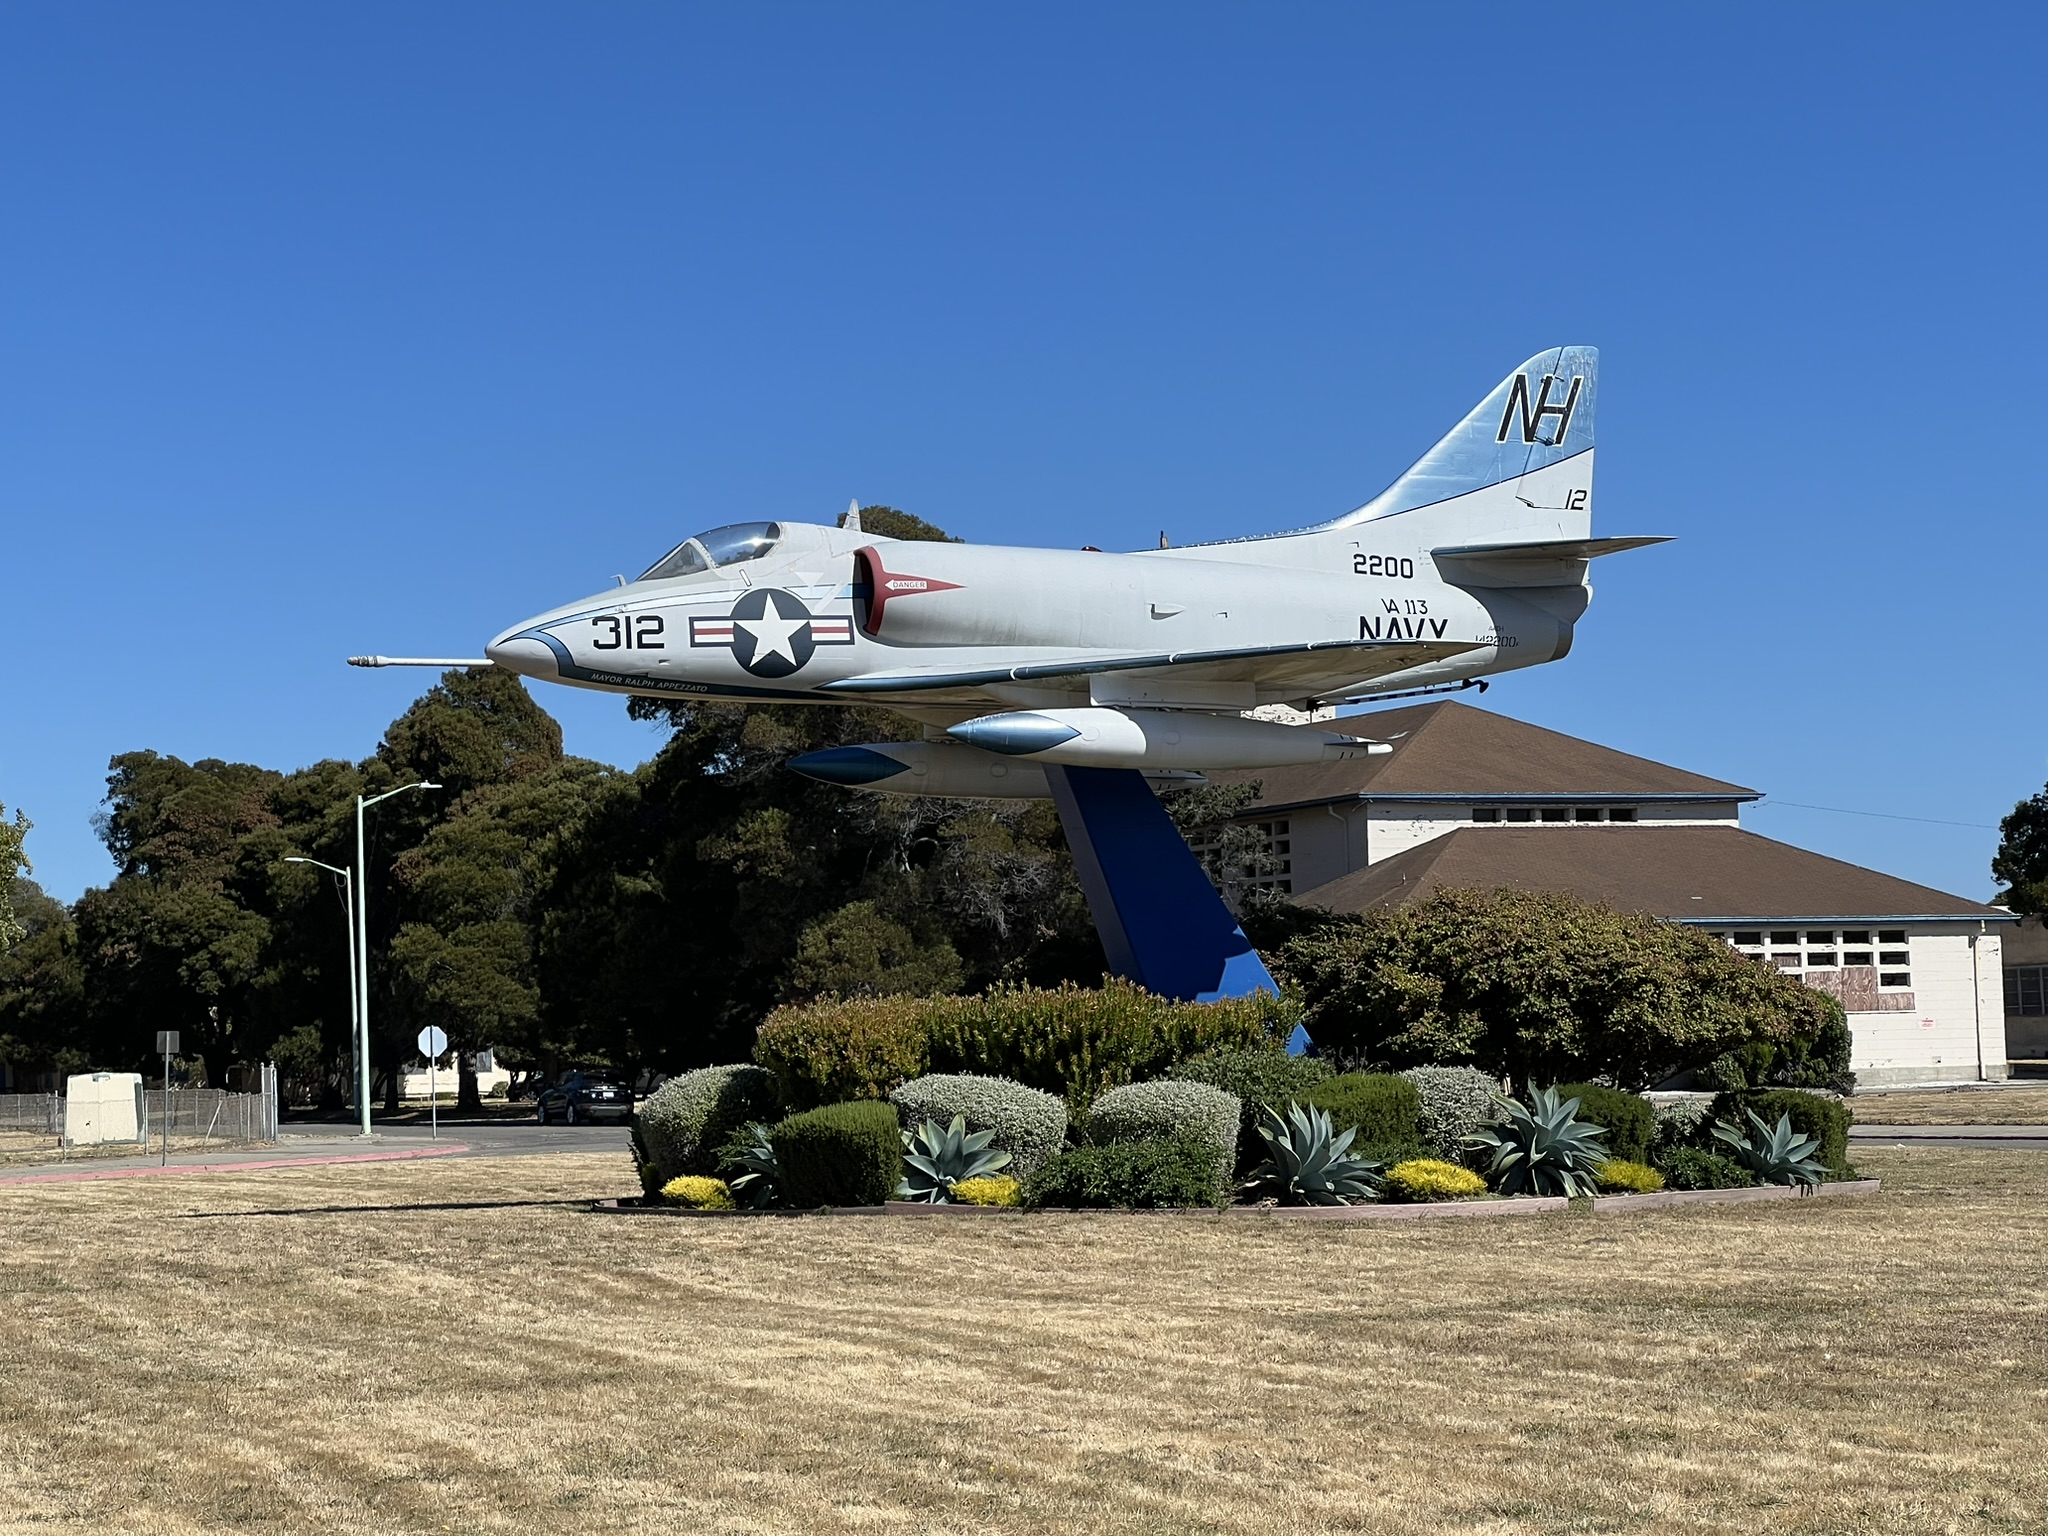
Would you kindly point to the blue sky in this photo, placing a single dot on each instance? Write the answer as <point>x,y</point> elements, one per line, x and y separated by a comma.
<point>327,329</point>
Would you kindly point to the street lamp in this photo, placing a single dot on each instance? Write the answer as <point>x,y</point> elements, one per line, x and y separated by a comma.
<point>348,917</point>
<point>363,950</point>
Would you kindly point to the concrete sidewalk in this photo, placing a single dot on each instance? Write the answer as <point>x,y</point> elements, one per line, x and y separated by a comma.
<point>241,1160</point>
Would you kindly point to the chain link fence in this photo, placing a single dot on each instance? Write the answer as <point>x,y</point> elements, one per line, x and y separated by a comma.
<point>32,1114</point>
<point>196,1118</point>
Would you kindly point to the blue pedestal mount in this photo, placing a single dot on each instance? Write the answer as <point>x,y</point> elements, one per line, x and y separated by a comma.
<point>1162,923</point>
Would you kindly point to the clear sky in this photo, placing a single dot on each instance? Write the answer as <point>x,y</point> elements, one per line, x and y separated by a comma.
<point>340,328</point>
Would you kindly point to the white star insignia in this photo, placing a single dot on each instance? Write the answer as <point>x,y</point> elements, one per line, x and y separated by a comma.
<point>772,633</point>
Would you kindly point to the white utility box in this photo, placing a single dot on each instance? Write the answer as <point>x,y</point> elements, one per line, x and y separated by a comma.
<point>103,1106</point>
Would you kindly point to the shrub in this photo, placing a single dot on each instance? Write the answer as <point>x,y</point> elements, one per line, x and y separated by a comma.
<point>1453,1103</point>
<point>748,1165</point>
<point>1261,1079</point>
<point>1430,1178</point>
<point>1697,1168</point>
<point>1379,1107</point>
<point>1161,1110</point>
<point>1068,1040</point>
<point>842,1154</point>
<point>1311,1161</point>
<point>1176,1171</point>
<point>997,1189</point>
<point>936,1157</point>
<point>1825,1119</point>
<point>1775,1153</point>
<point>699,1194</point>
<point>1681,1120</point>
<point>859,1048</point>
<point>1543,1149</point>
<point>1542,986</point>
<point>1029,1125</point>
<point>643,1164</point>
<point>687,1119</point>
<point>1620,1176</point>
<point>1630,1122</point>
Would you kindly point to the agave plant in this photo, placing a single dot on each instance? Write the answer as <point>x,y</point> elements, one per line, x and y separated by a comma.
<point>936,1157</point>
<point>1543,1148</point>
<point>1311,1162</point>
<point>753,1151</point>
<point>1776,1154</point>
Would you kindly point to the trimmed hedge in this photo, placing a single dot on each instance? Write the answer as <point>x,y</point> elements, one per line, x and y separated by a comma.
<point>1383,1109</point>
<point>685,1121</point>
<point>1826,1120</point>
<point>1697,1168</point>
<point>1029,1125</point>
<point>1165,1110</point>
<point>1068,1040</point>
<point>1259,1078</point>
<point>1455,1102</point>
<point>1631,1122</point>
<point>842,1154</point>
<point>1176,1171</point>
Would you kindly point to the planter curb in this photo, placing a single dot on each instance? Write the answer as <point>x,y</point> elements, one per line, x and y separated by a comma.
<point>1622,1205</point>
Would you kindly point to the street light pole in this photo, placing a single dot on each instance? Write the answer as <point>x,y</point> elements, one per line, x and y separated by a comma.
<point>363,950</point>
<point>348,917</point>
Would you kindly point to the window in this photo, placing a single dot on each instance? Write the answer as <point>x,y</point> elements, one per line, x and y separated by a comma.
<point>1855,935</point>
<point>1895,978</point>
<point>1893,957</point>
<point>1748,936</point>
<point>1822,957</point>
<point>1891,936</point>
<point>1622,813</point>
<point>1556,813</point>
<point>730,545</point>
<point>1823,937</point>
<point>1785,960</point>
<point>1520,813</point>
<point>1586,813</point>
<point>1260,855</point>
<point>1782,936</point>
<point>1858,957</point>
<point>2026,990</point>
<point>1485,813</point>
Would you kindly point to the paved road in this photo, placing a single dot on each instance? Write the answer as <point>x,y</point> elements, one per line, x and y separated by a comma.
<point>301,1145</point>
<point>482,1138</point>
<point>2018,1138</point>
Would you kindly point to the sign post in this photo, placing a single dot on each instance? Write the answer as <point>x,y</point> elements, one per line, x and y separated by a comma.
<point>167,1043</point>
<point>432,1043</point>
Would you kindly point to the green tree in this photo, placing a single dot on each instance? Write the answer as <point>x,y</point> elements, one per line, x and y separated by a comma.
<point>42,987</point>
<point>1545,988</point>
<point>857,951</point>
<point>2021,863</point>
<point>13,863</point>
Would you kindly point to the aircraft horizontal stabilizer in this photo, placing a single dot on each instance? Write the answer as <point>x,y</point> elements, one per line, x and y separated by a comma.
<point>1551,549</point>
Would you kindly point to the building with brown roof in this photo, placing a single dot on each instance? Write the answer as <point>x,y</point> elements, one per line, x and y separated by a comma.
<point>1473,800</point>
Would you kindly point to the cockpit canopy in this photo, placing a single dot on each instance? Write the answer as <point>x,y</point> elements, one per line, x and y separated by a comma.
<point>730,545</point>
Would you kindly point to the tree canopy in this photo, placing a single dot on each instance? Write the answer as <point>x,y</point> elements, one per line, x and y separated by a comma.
<point>2021,863</point>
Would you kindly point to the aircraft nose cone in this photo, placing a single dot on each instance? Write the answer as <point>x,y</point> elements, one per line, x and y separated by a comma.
<point>524,652</point>
<point>1014,735</point>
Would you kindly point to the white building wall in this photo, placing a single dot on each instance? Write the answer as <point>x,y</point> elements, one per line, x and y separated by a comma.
<point>1955,1031</point>
<point>1395,828</point>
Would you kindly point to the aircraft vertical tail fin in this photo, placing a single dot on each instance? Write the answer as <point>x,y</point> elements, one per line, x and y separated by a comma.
<point>1519,466</point>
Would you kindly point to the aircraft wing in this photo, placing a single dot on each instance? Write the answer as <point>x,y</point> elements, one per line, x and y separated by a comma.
<point>1312,668</point>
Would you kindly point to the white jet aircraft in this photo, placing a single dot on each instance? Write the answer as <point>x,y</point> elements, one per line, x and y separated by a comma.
<point>1474,562</point>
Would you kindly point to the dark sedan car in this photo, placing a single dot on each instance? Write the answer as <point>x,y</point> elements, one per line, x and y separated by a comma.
<point>582,1097</point>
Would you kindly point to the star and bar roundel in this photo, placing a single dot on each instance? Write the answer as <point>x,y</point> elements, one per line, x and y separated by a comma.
<point>771,633</point>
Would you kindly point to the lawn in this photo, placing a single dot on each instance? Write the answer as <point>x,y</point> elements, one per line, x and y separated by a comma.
<point>461,1346</point>
<point>2024,1105</point>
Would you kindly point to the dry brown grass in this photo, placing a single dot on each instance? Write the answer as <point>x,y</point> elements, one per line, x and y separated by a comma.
<point>1955,1106</point>
<point>231,1352</point>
